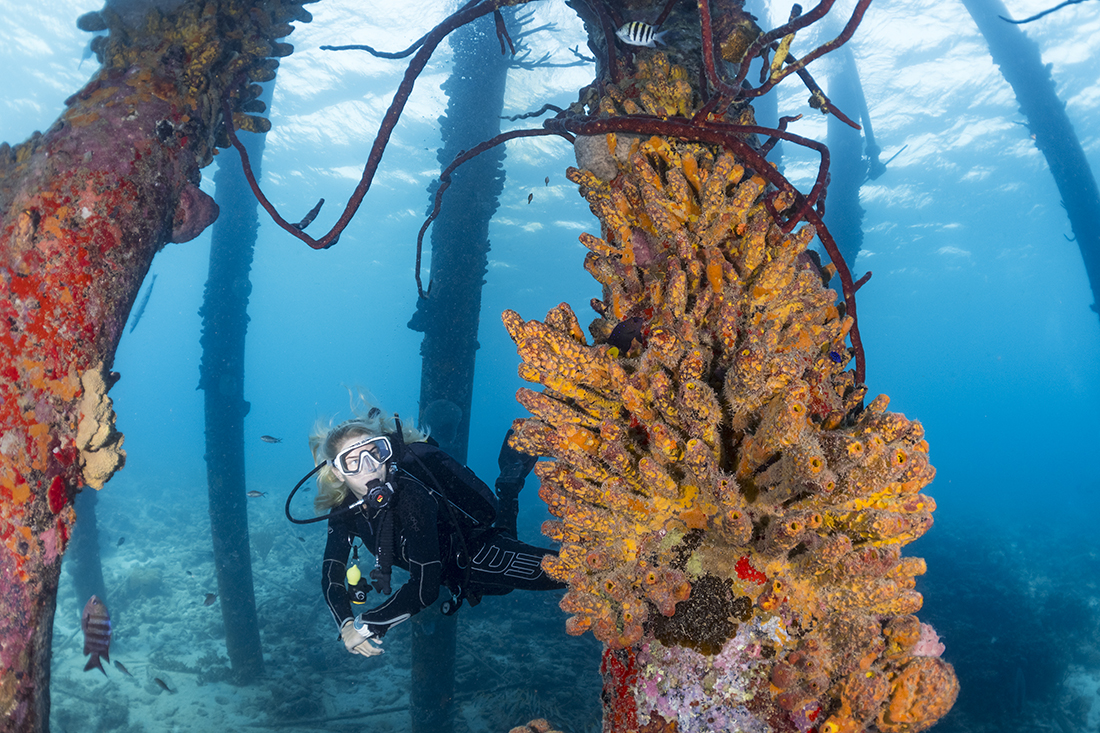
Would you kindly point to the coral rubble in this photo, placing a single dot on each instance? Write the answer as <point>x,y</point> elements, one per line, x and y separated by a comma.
<point>83,209</point>
<point>731,514</point>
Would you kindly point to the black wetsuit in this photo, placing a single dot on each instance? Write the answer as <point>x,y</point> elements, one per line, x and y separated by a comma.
<point>422,537</point>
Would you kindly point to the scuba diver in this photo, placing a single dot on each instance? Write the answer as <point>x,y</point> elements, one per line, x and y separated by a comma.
<point>410,504</point>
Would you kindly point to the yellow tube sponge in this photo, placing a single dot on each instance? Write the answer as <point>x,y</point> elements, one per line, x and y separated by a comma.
<point>715,466</point>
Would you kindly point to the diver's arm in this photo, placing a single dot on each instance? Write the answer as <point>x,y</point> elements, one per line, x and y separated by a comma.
<point>418,512</point>
<point>334,568</point>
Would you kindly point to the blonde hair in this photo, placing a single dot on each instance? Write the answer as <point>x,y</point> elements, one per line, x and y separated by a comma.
<point>369,421</point>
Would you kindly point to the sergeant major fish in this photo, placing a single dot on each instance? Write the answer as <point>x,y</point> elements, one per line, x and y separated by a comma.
<point>95,622</point>
<point>641,34</point>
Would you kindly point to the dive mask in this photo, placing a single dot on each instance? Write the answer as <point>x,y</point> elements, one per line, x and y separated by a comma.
<point>369,455</point>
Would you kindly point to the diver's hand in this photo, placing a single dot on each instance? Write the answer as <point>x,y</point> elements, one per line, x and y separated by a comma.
<point>358,643</point>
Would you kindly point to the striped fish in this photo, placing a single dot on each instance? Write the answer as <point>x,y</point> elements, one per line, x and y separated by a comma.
<point>640,34</point>
<point>96,624</point>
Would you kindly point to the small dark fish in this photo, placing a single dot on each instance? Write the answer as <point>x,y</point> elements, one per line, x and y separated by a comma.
<point>210,598</point>
<point>255,494</point>
<point>626,332</point>
<point>837,358</point>
<point>640,34</point>
<point>95,622</point>
<point>122,668</point>
<point>270,439</point>
<point>163,685</point>
<point>301,538</point>
<point>120,541</point>
<point>190,574</point>
<point>547,181</point>
<point>529,197</point>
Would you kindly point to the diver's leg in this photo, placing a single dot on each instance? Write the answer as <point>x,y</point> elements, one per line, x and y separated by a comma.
<point>514,467</point>
<point>503,563</point>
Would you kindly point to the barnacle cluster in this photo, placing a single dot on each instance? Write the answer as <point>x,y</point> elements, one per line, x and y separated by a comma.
<point>191,52</point>
<point>716,469</point>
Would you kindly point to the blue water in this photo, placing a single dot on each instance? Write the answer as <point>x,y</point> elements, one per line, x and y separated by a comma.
<point>977,320</point>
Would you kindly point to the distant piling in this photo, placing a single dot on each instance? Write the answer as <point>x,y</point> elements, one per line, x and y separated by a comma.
<point>449,318</point>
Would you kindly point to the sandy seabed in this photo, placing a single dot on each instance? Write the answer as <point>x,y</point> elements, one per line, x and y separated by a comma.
<point>514,661</point>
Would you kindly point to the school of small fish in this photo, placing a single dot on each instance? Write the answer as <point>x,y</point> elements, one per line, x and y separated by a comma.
<point>95,622</point>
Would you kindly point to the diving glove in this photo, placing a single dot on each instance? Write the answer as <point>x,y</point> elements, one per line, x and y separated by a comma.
<point>357,642</point>
<point>514,466</point>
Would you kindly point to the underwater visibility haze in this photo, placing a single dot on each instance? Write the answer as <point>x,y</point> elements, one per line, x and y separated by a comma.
<point>978,322</point>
